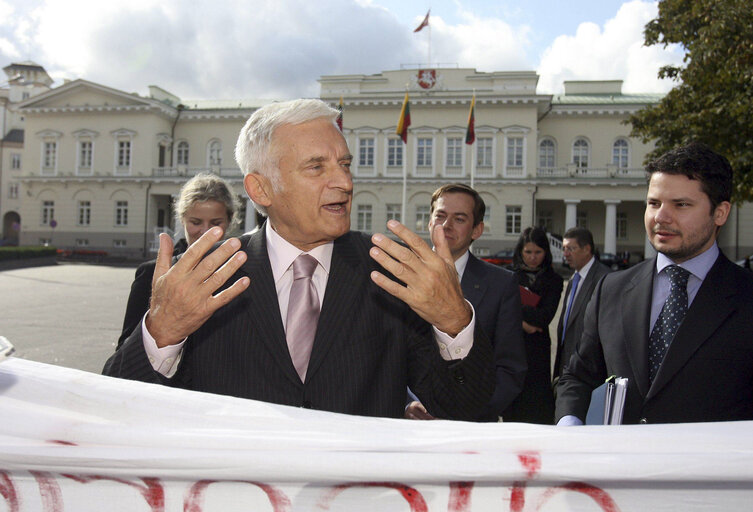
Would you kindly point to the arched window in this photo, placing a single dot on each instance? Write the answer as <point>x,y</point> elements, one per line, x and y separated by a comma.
<point>546,154</point>
<point>182,157</point>
<point>580,153</point>
<point>620,153</point>
<point>215,153</point>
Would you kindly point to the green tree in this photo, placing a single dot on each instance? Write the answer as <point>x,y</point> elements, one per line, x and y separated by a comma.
<point>713,99</point>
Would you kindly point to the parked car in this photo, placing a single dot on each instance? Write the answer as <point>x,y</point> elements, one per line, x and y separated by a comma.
<point>502,258</point>
<point>615,261</point>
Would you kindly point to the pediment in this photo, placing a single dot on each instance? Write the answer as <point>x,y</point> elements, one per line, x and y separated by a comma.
<point>82,93</point>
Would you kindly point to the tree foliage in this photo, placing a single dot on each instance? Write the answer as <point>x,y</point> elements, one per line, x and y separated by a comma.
<point>713,99</point>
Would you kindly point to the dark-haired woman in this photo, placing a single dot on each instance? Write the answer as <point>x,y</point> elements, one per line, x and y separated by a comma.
<point>532,263</point>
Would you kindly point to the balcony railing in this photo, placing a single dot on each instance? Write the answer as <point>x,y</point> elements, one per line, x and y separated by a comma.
<point>572,171</point>
<point>181,170</point>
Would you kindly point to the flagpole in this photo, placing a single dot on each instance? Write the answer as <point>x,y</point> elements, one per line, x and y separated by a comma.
<point>473,163</point>
<point>403,219</point>
<point>428,64</point>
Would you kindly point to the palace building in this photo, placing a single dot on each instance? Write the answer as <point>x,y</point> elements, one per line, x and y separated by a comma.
<point>83,165</point>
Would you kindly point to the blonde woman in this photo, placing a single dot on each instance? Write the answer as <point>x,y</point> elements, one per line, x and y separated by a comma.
<point>205,201</point>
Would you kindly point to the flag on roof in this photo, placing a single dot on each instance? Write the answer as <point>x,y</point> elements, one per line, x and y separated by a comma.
<point>404,122</point>
<point>340,114</point>
<point>470,132</point>
<point>424,23</point>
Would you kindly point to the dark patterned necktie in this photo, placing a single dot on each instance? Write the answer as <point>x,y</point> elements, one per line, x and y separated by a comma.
<point>303,313</point>
<point>670,318</point>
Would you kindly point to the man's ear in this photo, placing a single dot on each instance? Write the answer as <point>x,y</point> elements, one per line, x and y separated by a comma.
<point>478,230</point>
<point>721,212</point>
<point>258,188</point>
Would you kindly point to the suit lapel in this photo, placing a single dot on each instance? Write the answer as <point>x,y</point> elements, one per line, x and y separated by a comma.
<point>561,322</point>
<point>712,305</point>
<point>265,308</point>
<point>473,283</point>
<point>581,300</point>
<point>348,275</point>
<point>635,318</point>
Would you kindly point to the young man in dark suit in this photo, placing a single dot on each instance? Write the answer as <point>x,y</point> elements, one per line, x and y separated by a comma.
<point>310,316</point>
<point>578,249</point>
<point>677,326</point>
<point>457,211</point>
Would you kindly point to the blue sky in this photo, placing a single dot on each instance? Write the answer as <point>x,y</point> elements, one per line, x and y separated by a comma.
<point>278,48</point>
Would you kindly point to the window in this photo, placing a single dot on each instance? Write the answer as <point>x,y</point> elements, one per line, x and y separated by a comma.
<point>121,213</point>
<point>15,161</point>
<point>366,151</point>
<point>622,225</point>
<point>484,152</point>
<point>364,218</point>
<point>394,212</point>
<point>119,243</point>
<point>424,147</point>
<point>45,241</point>
<point>581,219</point>
<point>50,156</point>
<point>546,154</point>
<point>215,153</point>
<point>454,152</point>
<point>620,153</point>
<point>124,154</point>
<point>85,150</point>
<point>48,212</point>
<point>13,190</point>
<point>423,215</point>
<point>513,218</point>
<point>82,242</point>
<point>488,219</point>
<point>182,156</point>
<point>514,153</point>
<point>84,213</point>
<point>580,153</point>
<point>394,152</point>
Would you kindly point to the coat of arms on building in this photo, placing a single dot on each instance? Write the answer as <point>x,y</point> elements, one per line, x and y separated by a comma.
<point>427,78</point>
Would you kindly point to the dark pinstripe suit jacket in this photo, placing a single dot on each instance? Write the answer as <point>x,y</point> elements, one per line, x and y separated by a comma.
<point>369,346</point>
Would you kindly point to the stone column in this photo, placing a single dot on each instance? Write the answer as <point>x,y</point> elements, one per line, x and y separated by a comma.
<point>571,211</point>
<point>610,226</point>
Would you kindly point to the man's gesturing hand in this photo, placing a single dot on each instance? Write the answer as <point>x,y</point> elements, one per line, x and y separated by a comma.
<point>432,288</point>
<point>182,295</point>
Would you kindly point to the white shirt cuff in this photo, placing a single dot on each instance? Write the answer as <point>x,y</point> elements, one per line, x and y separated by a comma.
<point>569,421</point>
<point>458,347</point>
<point>164,360</point>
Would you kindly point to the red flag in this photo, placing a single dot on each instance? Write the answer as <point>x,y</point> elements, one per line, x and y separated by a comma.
<point>470,132</point>
<point>340,114</point>
<point>404,122</point>
<point>424,23</point>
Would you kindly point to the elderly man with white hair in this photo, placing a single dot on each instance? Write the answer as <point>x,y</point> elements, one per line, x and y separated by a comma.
<point>305,312</point>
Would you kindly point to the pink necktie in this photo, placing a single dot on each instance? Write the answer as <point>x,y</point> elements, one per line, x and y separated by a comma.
<point>303,313</point>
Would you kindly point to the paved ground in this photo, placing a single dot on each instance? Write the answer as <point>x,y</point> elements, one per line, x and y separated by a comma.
<point>70,314</point>
<point>67,314</point>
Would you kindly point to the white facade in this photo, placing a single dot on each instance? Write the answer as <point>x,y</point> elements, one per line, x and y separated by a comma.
<point>105,164</point>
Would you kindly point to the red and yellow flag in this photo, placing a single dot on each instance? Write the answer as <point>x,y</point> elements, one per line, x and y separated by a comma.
<point>404,122</point>
<point>470,132</point>
<point>340,114</point>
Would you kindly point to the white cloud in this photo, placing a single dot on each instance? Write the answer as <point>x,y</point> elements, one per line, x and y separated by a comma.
<point>226,48</point>
<point>487,44</point>
<point>616,52</point>
<point>279,48</point>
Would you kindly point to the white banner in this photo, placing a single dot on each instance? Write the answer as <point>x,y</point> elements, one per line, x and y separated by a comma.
<point>76,441</point>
